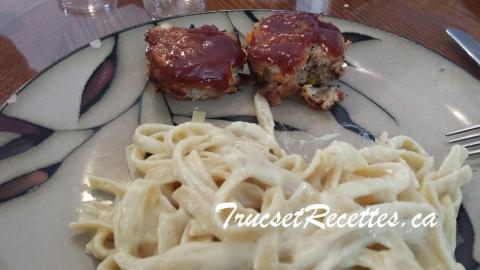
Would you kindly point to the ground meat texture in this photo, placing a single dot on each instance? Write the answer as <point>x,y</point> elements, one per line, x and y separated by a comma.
<point>322,97</point>
<point>289,50</point>
<point>194,63</point>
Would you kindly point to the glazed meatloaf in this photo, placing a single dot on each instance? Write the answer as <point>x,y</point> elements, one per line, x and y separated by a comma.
<point>194,63</point>
<point>293,53</point>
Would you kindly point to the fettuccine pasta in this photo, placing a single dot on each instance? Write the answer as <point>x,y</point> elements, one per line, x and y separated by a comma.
<point>165,217</point>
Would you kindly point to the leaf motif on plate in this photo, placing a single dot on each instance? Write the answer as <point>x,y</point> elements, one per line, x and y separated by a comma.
<point>110,98</point>
<point>235,29</point>
<point>251,16</point>
<point>357,37</point>
<point>44,101</point>
<point>343,118</point>
<point>25,183</point>
<point>465,240</point>
<point>24,168</point>
<point>390,115</point>
<point>30,135</point>
<point>99,81</point>
<point>348,63</point>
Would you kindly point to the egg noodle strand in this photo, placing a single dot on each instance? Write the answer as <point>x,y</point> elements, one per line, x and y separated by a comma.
<point>165,217</point>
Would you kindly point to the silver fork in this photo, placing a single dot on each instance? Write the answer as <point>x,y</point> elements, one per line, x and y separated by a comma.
<point>468,137</point>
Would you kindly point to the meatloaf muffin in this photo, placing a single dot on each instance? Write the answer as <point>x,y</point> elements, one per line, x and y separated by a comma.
<point>293,53</point>
<point>194,63</point>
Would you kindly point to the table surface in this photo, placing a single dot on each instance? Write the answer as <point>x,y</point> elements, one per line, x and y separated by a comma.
<point>35,34</point>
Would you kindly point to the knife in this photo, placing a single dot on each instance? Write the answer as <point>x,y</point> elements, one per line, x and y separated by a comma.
<point>467,43</point>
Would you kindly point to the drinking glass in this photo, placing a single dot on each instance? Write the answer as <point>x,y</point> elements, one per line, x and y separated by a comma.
<point>91,8</point>
<point>165,8</point>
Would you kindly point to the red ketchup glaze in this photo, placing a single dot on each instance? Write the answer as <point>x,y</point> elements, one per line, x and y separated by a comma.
<point>196,57</point>
<point>283,38</point>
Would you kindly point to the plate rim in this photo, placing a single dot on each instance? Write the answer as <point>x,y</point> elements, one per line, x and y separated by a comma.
<point>411,42</point>
<point>154,22</point>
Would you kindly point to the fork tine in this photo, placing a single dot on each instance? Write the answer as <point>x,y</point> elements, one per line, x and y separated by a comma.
<point>474,127</point>
<point>467,137</point>
<point>472,144</point>
<point>474,153</point>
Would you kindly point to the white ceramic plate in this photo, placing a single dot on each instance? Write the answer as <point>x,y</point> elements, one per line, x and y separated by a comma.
<point>76,118</point>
